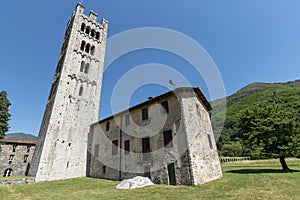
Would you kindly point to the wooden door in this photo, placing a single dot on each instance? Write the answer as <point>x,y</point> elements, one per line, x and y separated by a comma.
<point>171,172</point>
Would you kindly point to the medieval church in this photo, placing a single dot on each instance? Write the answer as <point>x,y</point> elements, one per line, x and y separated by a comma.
<point>73,143</point>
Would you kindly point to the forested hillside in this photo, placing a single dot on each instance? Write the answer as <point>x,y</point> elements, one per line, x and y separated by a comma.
<point>228,138</point>
<point>21,136</point>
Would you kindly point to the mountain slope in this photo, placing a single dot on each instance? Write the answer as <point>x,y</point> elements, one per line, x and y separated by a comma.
<point>21,136</point>
<point>286,94</point>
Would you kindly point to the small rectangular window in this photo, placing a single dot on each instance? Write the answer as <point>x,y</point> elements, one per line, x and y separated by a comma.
<point>144,114</point>
<point>96,151</point>
<point>25,158</point>
<point>28,148</point>
<point>11,158</point>
<point>198,110</point>
<point>168,138</point>
<point>104,169</point>
<point>165,106</point>
<point>107,126</point>
<point>14,147</point>
<point>114,147</point>
<point>127,120</point>
<point>127,146</point>
<point>209,141</point>
<point>146,148</point>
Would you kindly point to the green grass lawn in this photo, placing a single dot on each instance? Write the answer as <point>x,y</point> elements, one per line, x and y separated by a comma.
<point>242,180</point>
<point>12,177</point>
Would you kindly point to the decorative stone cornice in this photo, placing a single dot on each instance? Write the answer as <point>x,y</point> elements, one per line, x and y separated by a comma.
<point>82,79</point>
<point>85,55</point>
<point>93,22</point>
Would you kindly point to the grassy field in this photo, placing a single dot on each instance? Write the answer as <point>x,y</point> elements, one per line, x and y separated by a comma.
<point>242,180</point>
<point>12,177</point>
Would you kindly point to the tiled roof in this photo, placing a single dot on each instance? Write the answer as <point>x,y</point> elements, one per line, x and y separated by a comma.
<point>162,96</point>
<point>18,141</point>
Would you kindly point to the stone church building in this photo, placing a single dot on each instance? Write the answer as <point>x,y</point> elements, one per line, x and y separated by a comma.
<point>167,137</point>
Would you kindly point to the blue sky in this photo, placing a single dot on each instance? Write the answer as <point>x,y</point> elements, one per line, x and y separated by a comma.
<point>249,40</point>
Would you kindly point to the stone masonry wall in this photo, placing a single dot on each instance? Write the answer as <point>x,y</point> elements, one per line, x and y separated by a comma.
<point>74,100</point>
<point>133,163</point>
<point>203,155</point>
<point>17,160</point>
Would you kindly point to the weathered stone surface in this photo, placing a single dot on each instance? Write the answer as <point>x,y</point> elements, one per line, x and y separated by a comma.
<point>73,102</point>
<point>15,159</point>
<point>193,155</point>
<point>204,160</point>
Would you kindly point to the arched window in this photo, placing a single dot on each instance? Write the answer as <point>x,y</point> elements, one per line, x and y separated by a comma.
<point>97,35</point>
<point>7,172</point>
<point>87,30</point>
<point>82,27</point>
<point>87,48</point>
<point>86,69</point>
<point>93,50</point>
<point>82,66</point>
<point>80,90</point>
<point>93,33</point>
<point>82,45</point>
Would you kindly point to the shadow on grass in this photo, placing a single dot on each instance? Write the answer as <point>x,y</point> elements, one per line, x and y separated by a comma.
<point>260,171</point>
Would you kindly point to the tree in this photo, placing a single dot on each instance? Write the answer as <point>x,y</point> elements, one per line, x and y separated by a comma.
<point>272,128</point>
<point>232,149</point>
<point>4,113</point>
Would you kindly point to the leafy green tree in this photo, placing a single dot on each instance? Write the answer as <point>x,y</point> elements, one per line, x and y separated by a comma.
<point>4,113</point>
<point>232,149</point>
<point>272,128</point>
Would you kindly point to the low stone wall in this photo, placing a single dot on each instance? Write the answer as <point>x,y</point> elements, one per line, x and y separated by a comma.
<point>17,181</point>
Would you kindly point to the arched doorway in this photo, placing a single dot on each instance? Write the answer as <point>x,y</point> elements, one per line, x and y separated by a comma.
<point>7,172</point>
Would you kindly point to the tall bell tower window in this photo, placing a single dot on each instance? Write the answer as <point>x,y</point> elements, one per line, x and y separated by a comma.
<point>93,50</point>
<point>82,27</point>
<point>82,45</point>
<point>80,90</point>
<point>93,33</point>
<point>86,69</point>
<point>82,66</point>
<point>87,48</point>
<point>87,30</point>
<point>97,35</point>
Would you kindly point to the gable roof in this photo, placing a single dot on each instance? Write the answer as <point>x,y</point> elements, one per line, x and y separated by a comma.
<point>162,96</point>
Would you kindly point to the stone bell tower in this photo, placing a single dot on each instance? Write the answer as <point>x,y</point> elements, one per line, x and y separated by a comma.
<point>73,102</point>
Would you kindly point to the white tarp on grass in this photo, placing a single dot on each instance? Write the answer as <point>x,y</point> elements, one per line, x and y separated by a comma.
<point>136,182</point>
